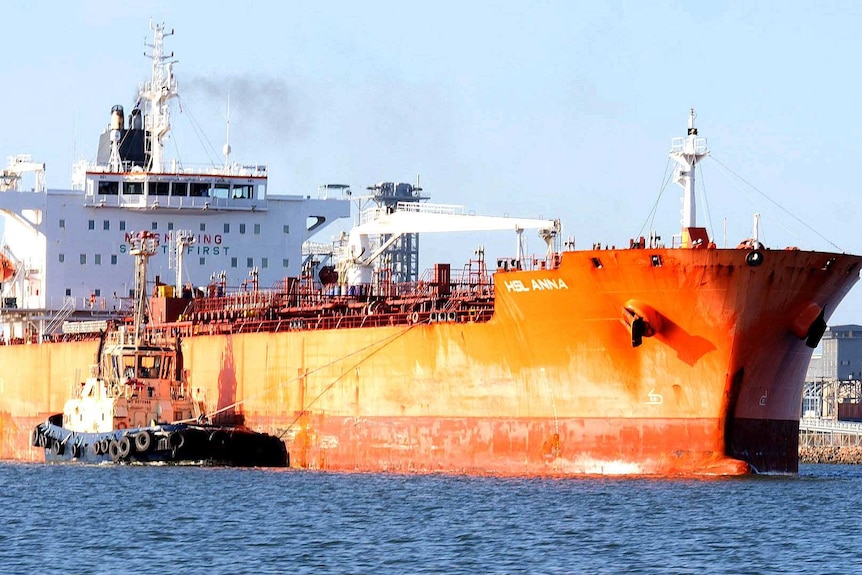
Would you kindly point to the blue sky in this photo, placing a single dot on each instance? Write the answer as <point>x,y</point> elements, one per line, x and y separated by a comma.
<point>551,109</point>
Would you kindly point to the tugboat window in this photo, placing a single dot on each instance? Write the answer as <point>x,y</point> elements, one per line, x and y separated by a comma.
<point>148,366</point>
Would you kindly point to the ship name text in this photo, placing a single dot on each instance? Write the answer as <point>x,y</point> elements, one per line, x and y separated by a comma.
<point>203,244</point>
<point>536,284</point>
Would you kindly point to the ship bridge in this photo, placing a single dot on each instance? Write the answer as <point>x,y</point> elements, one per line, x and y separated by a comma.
<point>241,188</point>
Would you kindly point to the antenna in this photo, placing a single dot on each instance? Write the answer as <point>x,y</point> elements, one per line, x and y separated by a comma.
<point>226,148</point>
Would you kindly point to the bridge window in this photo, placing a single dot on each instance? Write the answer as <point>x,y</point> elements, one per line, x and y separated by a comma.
<point>161,188</point>
<point>180,189</point>
<point>133,188</point>
<point>109,188</point>
<point>221,190</point>
<point>243,191</point>
<point>198,190</point>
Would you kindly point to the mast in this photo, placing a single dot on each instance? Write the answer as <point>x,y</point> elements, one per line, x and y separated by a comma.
<point>687,152</point>
<point>157,93</point>
<point>143,245</point>
<point>185,238</point>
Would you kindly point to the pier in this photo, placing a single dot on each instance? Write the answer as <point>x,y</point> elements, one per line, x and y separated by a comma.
<point>829,441</point>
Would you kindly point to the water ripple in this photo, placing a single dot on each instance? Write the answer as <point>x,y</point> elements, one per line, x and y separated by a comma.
<point>106,520</point>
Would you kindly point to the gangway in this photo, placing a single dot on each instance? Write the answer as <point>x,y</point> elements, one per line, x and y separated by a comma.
<point>61,316</point>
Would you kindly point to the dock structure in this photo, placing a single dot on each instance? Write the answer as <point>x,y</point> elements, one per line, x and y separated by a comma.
<point>816,432</point>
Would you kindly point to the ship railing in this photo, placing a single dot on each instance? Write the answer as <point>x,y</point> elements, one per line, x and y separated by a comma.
<point>190,169</point>
<point>678,145</point>
<point>420,208</point>
<point>153,202</point>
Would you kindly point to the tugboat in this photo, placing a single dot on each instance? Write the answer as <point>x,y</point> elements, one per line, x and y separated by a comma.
<point>119,413</point>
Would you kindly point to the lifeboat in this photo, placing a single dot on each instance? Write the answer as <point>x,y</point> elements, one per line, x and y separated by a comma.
<point>7,268</point>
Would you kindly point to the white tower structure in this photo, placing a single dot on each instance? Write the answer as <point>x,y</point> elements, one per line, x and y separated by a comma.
<point>687,152</point>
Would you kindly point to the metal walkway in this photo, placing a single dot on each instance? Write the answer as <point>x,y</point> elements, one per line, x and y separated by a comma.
<point>814,432</point>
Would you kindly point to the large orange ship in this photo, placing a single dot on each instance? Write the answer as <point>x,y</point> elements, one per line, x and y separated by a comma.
<point>656,360</point>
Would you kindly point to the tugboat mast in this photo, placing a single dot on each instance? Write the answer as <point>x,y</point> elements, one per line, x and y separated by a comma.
<point>143,245</point>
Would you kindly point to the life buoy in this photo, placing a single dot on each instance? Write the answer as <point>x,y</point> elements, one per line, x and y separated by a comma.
<point>122,425</point>
<point>414,317</point>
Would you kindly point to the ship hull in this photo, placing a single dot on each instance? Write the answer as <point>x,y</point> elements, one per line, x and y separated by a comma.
<point>551,385</point>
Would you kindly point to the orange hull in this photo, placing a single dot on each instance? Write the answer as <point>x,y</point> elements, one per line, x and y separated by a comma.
<point>550,385</point>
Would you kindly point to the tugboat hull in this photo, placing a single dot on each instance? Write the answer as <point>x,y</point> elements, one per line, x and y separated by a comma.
<point>163,444</point>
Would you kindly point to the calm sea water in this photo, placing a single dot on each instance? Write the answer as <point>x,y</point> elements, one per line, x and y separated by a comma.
<point>69,519</point>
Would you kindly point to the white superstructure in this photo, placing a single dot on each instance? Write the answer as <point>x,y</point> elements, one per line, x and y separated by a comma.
<point>69,247</point>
